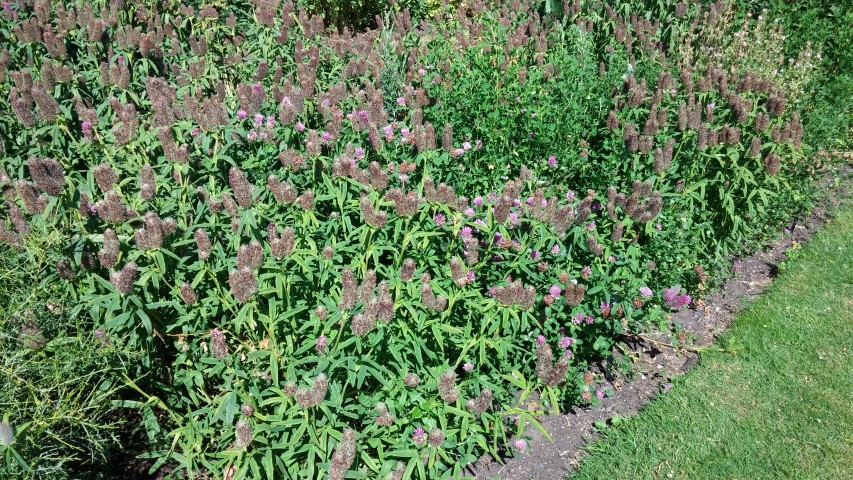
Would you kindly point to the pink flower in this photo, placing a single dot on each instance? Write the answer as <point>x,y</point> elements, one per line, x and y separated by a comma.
<point>470,276</point>
<point>552,161</point>
<point>578,319</point>
<point>403,178</point>
<point>419,435</point>
<point>87,129</point>
<point>513,218</point>
<point>599,393</point>
<point>258,120</point>
<point>570,195</point>
<point>439,219</point>
<point>535,255</point>
<point>465,232</point>
<point>326,137</point>
<point>646,292</point>
<point>478,201</point>
<point>359,152</point>
<point>555,250</point>
<point>401,101</point>
<point>300,127</point>
<point>566,342</point>
<point>241,114</point>
<point>540,340</point>
<point>469,211</point>
<point>466,146</point>
<point>520,445</point>
<point>421,72</point>
<point>673,299</point>
<point>590,226</point>
<point>322,343</point>
<point>555,291</point>
<point>468,367</point>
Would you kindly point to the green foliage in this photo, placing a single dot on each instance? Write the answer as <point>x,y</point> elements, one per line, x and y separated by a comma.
<point>792,389</point>
<point>58,381</point>
<point>279,220</point>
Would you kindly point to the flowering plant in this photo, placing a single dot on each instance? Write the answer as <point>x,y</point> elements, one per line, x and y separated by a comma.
<point>316,282</point>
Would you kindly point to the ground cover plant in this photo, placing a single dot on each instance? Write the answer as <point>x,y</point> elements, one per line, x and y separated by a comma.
<point>789,417</point>
<point>354,253</point>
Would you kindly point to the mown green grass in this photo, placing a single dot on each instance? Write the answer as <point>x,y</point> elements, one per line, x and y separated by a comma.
<point>782,407</point>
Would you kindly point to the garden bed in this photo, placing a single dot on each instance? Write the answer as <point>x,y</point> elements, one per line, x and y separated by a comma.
<point>313,251</point>
<point>656,361</point>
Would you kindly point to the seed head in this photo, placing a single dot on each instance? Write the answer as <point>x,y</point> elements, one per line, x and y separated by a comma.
<point>218,346</point>
<point>243,434</point>
<point>343,456</point>
<point>187,294</point>
<point>108,254</point>
<point>411,380</point>
<point>48,174</point>
<point>243,283</point>
<point>105,177</point>
<point>202,242</point>
<point>251,255</point>
<point>407,270</point>
<point>446,386</point>
<point>240,185</point>
<point>383,417</point>
<point>436,437</point>
<point>123,280</point>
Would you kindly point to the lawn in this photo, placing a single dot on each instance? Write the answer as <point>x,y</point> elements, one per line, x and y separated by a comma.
<point>780,408</point>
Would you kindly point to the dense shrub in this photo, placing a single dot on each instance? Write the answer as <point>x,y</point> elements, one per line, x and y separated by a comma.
<point>342,252</point>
